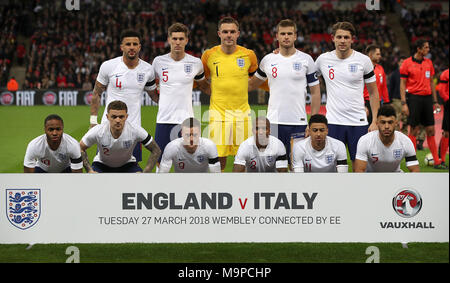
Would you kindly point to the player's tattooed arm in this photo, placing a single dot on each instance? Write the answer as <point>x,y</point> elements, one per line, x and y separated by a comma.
<point>205,86</point>
<point>95,102</point>
<point>153,158</point>
<point>154,95</point>
<point>87,166</point>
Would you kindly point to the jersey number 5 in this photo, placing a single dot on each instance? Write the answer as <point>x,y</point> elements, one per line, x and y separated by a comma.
<point>165,75</point>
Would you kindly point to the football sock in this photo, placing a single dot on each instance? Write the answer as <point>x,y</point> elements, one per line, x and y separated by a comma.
<point>443,148</point>
<point>432,145</point>
<point>414,141</point>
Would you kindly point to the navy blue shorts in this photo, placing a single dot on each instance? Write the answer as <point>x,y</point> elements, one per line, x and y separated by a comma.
<point>38,169</point>
<point>349,135</point>
<point>165,133</point>
<point>130,167</point>
<point>286,133</point>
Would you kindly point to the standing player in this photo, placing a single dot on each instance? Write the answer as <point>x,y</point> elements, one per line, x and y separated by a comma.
<point>176,72</point>
<point>261,152</point>
<point>383,150</point>
<point>417,81</point>
<point>289,72</point>
<point>443,92</point>
<point>125,78</point>
<point>115,140</point>
<point>54,151</point>
<point>229,66</point>
<point>345,71</point>
<point>374,53</point>
<point>319,152</point>
<point>191,152</point>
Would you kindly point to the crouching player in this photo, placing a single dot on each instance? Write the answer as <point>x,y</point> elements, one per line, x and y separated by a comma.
<point>261,152</point>
<point>54,151</point>
<point>319,152</point>
<point>384,149</point>
<point>116,139</point>
<point>190,153</point>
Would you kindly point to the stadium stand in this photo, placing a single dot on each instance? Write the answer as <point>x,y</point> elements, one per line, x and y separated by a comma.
<point>65,48</point>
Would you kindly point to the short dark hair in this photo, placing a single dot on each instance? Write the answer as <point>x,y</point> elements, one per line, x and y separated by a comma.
<point>344,26</point>
<point>130,33</point>
<point>228,20</point>
<point>387,111</point>
<point>287,23</point>
<point>371,48</point>
<point>53,117</point>
<point>318,118</point>
<point>419,44</point>
<point>117,105</point>
<point>178,27</point>
<point>191,123</point>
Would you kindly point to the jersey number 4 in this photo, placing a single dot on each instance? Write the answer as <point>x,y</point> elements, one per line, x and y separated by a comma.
<point>118,83</point>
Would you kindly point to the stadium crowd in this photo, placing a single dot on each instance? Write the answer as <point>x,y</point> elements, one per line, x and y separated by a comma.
<point>67,47</point>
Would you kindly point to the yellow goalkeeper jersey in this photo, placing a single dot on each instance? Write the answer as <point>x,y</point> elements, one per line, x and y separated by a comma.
<point>229,75</point>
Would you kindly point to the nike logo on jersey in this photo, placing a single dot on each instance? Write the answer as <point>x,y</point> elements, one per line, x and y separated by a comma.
<point>330,66</point>
<point>117,76</point>
<point>163,69</point>
<point>273,65</point>
<point>215,63</point>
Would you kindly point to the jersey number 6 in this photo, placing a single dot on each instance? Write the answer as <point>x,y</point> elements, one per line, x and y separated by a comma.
<point>331,74</point>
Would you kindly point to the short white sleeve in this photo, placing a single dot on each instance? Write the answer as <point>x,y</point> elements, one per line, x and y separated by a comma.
<point>201,72</point>
<point>312,71</point>
<point>298,155</point>
<point>362,148</point>
<point>282,161</point>
<point>102,76</point>
<point>167,157</point>
<point>30,156</point>
<point>242,155</point>
<point>90,138</point>
<point>368,69</point>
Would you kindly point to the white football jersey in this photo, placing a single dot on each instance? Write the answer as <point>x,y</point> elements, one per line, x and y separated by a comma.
<point>204,159</point>
<point>176,79</point>
<point>116,152</point>
<point>380,158</point>
<point>306,159</point>
<point>40,154</point>
<point>288,78</point>
<point>126,85</point>
<point>345,80</point>
<point>267,160</point>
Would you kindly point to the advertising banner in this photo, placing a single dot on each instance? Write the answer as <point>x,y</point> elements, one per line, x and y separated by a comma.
<point>228,207</point>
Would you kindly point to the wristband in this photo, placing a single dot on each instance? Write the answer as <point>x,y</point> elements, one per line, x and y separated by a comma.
<point>93,120</point>
<point>403,102</point>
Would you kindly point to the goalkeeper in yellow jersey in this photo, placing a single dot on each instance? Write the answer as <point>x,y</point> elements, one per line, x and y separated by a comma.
<point>229,66</point>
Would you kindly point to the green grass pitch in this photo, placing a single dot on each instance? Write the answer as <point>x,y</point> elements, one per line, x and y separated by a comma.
<point>21,124</point>
<point>229,252</point>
